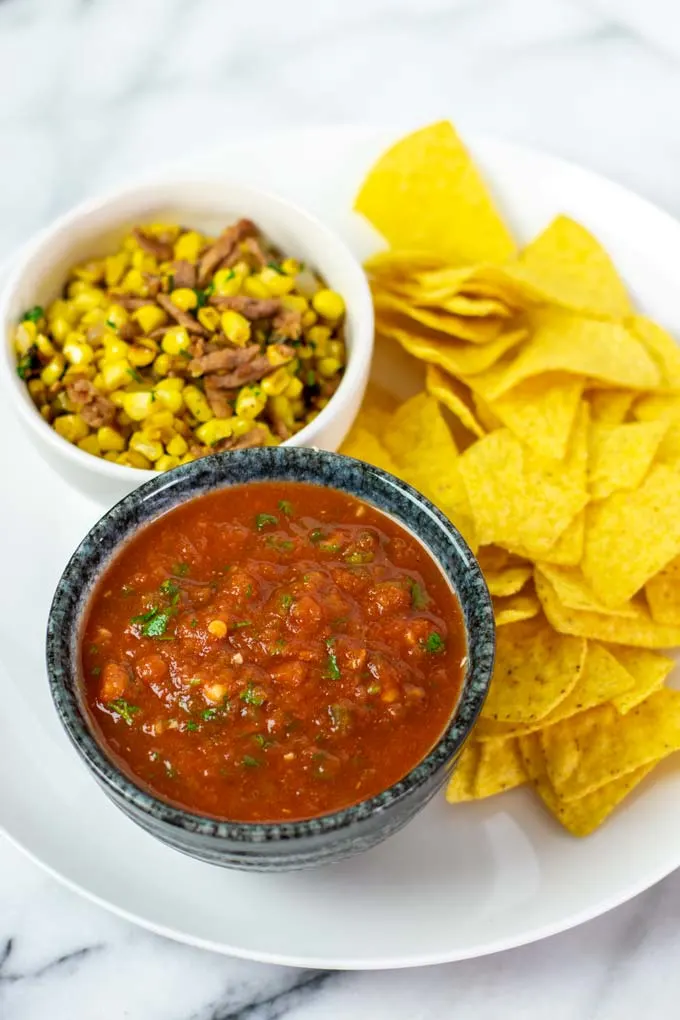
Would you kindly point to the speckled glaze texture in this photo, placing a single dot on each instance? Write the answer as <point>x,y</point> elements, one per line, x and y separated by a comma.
<point>252,846</point>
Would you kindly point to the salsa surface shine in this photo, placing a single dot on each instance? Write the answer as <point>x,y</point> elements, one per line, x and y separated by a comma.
<point>272,652</point>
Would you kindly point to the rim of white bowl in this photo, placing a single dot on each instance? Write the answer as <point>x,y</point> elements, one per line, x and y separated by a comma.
<point>360,301</point>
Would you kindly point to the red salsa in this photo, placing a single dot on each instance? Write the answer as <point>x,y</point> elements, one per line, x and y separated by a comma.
<point>272,652</point>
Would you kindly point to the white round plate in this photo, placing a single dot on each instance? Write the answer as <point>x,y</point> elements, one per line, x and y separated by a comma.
<point>456,883</point>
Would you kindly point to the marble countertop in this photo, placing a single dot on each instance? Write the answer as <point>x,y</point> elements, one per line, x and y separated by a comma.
<point>94,90</point>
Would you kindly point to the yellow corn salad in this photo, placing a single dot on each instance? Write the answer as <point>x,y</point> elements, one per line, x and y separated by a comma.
<point>179,345</point>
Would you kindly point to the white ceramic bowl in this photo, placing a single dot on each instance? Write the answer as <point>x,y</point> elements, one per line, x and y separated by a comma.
<point>95,227</point>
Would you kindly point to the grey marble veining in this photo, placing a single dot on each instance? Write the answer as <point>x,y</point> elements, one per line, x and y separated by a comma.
<point>92,91</point>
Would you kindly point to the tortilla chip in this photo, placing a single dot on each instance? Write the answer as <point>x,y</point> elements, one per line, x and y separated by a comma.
<point>461,783</point>
<point>515,608</point>
<point>366,446</point>
<point>475,307</point>
<point>580,817</point>
<point>455,356</point>
<point>658,407</point>
<point>541,412</point>
<point>535,669</point>
<point>661,346</point>
<point>507,580</point>
<point>630,536</point>
<point>621,455</point>
<point>566,265</point>
<point>485,415</point>
<point>499,768</point>
<point>574,592</point>
<point>649,671</point>
<point>593,348</point>
<point>603,679</point>
<point>663,594</point>
<point>388,305</point>
<point>454,395</point>
<point>568,549</point>
<point>639,630</point>
<point>517,498</point>
<point>598,746</point>
<point>425,192</point>
<point>611,407</point>
<point>493,558</point>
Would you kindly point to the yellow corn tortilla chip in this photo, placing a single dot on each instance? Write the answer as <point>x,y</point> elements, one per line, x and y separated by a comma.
<point>630,536</point>
<point>475,307</point>
<point>598,746</point>
<point>661,346</point>
<point>621,455</point>
<point>580,817</point>
<point>487,419</point>
<point>455,356</point>
<point>566,265</point>
<point>592,348</point>
<point>649,671</point>
<point>663,594</point>
<point>405,263</point>
<point>366,446</point>
<point>493,558</point>
<point>639,630</point>
<point>603,679</point>
<point>519,499</point>
<point>500,767</point>
<point>541,411</point>
<point>515,608</point>
<point>480,331</point>
<point>574,592</point>
<point>535,669</point>
<point>454,395</point>
<point>568,549</point>
<point>669,447</point>
<point>611,407</point>
<point>425,192</point>
<point>508,580</point>
<point>461,783</point>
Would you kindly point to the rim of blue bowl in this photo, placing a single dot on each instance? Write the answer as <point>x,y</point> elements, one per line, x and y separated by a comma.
<point>299,464</point>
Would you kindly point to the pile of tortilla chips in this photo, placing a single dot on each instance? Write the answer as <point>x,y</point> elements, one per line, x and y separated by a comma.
<point>549,432</point>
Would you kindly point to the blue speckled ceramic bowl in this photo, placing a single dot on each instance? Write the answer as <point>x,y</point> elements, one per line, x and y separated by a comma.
<point>256,846</point>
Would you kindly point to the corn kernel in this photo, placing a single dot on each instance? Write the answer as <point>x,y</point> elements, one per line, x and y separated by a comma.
<point>61,309</point>
<point>212,431</point>
<point>176,340</point>
<point>78,354</point>
<point>37,389</point>
<point>276,355</point>
<point>94,317</point>
<point>140,356</point>
<point>166,463</point>
<point>177,447</point>
<point>114,348</point>
<point>328,367</point>
<point>209,317</point>
<point>250,402</point>
<point>236,327</point>
<point>309,318</point>
<point>298,408</point>
<point>184,298</point>
<point>318,337</point>
<point>227,282</point>
<point>114,267</point>
<point>60,328</point>
<point>133,283</point>
<point>149,317</point>
<point>144,261</point>
<point>46,412</point>
<point>111,457</point>
<point>304,353</point>
<point>217,628</point>
<point>116,316</point>
<point>291,267</point>
<point>295,303</point>
<point>149,448</point>
<point>71,427</point>
<point>276,284</point>
<point>254,287</point>
<point>91,272</point>
<point>24,336</point>
<point>188,246</point>
<point>53,370</point>
<point>115,374</point>
<point>336,349</point>
<point>197,404</point>
<point>239,426</point>
<point>138,405</point>
<point>329,304</point>
<point>187,458</point>
<point>294,388</point>
<point>89,298</point>
<point>110,439</point>
<point>275,384</point>
<point>90,444</point>
<point>280,407</point>
<point>132,458</point>
<point>162,365</point>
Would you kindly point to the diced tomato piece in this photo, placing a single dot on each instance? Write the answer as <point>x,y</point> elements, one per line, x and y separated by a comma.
<point>151,669</point>
<point>115,681</point>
